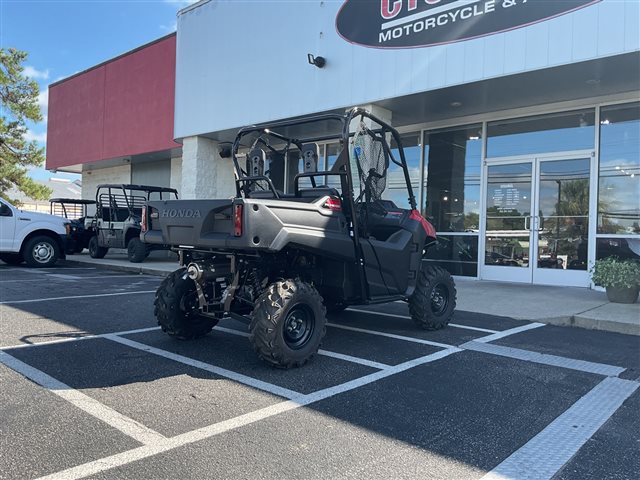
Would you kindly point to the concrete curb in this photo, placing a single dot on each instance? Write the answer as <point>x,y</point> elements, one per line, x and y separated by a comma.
<point>122,268</point>
<point>593,324</point>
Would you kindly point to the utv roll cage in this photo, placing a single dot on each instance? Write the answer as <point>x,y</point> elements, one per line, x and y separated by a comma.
<point>118,202</point>
<point>71,208</point>
<point>342,166</point>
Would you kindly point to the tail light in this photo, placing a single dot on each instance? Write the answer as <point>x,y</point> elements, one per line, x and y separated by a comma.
<point>237,220</point>
<point>143,221</point>
<point>333,203</point>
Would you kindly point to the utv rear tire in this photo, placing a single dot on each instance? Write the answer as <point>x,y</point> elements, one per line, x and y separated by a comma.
<point>434,300</point>
<point>95,250</point>
<point>176,308</point>
<point>41,252</point>
<point>137,251</point>
<point>288,323</point>
<point>11,258</point>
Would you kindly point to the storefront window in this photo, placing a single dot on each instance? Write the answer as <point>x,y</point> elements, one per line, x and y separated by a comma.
<point>452,179</point>
<point>396,190</point>
<point>452,200</point>
<point>619,175</point>
<point>542,134</point>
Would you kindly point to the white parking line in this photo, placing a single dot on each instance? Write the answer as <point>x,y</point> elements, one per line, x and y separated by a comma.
<point>77,339</point>
<point>542,456</point>
<point>74,297</point>
<point>511,331</point>
<point>326,353</point>
<point>455,325</point>
<point>391,335</point>
<point>223,372</point>
<point>124,424</point>
<point>120,459</point>
<point>133,276</point>
<point>544,359</point>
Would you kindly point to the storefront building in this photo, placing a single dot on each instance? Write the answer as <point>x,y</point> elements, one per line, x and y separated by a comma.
<point>520,119</point>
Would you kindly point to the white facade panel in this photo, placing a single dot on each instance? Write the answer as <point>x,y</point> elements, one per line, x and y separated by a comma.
<point>245,62</point>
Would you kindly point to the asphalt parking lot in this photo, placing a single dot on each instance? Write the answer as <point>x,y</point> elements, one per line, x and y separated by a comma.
<point>90,388</point>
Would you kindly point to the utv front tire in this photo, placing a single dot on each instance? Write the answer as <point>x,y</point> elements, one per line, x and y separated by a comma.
<point>137,251</point>
<point>288,323</point>
<point>95,250</point>
<point>434,300</point>
<point>176,308</point>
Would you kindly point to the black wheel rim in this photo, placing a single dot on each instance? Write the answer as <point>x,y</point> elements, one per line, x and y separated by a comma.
<point>298,326</point>
<point>439,299</point>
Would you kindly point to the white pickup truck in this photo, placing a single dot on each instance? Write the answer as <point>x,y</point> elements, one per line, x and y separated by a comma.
<point>35,238</point>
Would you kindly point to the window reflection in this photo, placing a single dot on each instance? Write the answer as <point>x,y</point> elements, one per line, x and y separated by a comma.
<point>452,201</point>
<point>563,226</point>
<point>452,179</point>
<point>541,134</point>
<point>619,180</point>
<point>396,190</point>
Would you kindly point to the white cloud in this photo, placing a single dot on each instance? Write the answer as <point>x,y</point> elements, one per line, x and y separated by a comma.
<point>38,137</point>
<point>43,99</point>
<point>169,28</point>
<point>36,74</point>
<point>181,3</point>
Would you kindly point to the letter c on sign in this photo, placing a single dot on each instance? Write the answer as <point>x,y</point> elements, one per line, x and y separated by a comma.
<point>384,9</point>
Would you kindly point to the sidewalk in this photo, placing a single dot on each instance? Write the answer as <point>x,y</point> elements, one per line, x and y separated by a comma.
<point>578,307</point>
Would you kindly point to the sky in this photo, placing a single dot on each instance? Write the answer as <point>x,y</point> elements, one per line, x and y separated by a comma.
<point>63,37</point>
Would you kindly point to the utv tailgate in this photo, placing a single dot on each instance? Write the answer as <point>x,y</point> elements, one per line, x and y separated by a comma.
<point>189,222</point>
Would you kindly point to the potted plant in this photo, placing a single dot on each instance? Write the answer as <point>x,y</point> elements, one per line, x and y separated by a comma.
<point>621,278</point>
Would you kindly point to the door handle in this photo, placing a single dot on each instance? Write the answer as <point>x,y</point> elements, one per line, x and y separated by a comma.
<point>527,222</point>
<point>539,223</point>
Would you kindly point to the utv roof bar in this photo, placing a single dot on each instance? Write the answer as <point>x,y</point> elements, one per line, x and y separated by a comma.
<point>145,188</point>
<point>77,201</point>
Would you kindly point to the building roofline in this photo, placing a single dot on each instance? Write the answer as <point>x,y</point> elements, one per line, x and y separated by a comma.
<point>192,6</point>
<point>130,52</point>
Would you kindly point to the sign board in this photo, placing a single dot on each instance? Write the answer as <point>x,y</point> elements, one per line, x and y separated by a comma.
<point>506,198</point>
<point>423,23</point>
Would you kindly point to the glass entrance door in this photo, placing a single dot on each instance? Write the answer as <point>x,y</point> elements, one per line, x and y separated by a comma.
<point>508,218</point>
<point>537,221</point>
<point>562,222</point>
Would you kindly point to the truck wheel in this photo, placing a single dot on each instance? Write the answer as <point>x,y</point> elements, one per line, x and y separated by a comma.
<point>95,250</point>
<point>41,251</point>
<point>11,258</point>
<point>432,304</point>
<point>176,308</point>
<point>136,250</point>
<point>288,323</point>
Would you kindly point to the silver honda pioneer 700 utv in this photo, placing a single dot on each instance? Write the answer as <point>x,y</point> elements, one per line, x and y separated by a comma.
<point>280,261</point>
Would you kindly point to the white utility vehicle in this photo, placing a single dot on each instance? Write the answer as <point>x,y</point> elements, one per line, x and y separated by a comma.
<point>38,239</point>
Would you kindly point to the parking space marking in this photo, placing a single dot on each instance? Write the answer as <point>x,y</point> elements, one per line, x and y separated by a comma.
<point>75,297</point>
<point>390,335</point>
<point>511,331</point>
<point>542,456</point>
<point>74,277</point>
<point>164,445</point>
<point>326,353</point>
<point>455,325</point>
<point>124,424</point>
<point>223,372</point>
<point>77,339</point>
<point>545,359</point>
<point>358,360</point>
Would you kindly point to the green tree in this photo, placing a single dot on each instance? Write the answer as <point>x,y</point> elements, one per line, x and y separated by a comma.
<point>18,104</point>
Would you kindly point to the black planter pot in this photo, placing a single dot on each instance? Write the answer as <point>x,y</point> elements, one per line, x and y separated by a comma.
<point>622,295</point>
